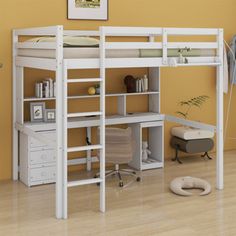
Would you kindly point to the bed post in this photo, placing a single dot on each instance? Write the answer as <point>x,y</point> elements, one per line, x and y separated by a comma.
<point>220,115</point>
<point>102,118</point>
<point>60,187</point>
<point>14,105</point>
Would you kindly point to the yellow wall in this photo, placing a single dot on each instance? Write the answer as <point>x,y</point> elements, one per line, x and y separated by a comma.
<point>177,84</point>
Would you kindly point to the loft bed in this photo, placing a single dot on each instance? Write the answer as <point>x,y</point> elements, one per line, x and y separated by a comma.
<point>152,54</point>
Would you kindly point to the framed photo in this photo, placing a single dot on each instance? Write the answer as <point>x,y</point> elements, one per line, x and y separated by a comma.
<point>88,9</point>
<point>50,115</point>
<point>37,111</point>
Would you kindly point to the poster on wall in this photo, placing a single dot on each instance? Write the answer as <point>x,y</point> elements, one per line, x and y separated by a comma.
<point>88,9</point>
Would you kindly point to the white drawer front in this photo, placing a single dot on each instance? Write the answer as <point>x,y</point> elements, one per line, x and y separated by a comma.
<point>43,174</point>
<point>43,156</point>
<point>47,181</point>
<point>36,143</point>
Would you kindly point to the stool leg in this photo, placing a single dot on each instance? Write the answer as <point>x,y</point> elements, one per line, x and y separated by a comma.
<point>207,155</point>
<point>176,156</point>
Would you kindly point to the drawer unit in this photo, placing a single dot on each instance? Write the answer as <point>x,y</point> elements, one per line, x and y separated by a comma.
<point>37,160</point>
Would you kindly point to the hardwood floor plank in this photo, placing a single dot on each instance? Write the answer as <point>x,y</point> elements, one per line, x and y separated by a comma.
<point>146,208</point>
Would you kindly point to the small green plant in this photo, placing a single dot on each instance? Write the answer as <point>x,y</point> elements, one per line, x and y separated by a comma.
<point>189,104</point>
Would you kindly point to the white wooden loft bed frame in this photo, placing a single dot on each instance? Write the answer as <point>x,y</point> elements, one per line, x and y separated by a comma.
<point>61,66</point>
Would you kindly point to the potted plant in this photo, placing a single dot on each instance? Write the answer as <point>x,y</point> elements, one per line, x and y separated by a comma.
<point>191,103</point>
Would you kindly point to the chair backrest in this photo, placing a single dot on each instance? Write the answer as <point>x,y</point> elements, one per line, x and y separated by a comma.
<point>119,145</point>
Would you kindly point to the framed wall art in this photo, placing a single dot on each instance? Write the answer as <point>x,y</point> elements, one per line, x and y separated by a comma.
<point>37,111</point>
<point>88,9</point>
<point>50,115</point>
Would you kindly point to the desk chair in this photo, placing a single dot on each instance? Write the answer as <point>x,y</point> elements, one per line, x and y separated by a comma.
<point>119,150</point>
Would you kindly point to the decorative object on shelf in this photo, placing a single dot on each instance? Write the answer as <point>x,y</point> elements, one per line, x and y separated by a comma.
<point>88,9</point>
<point>37,111</point>
<point>178,185</point>
<point>145,151</point>
<point>173,62</point>
<point>45,89</point>
<point>130,83</point>
<point>193,102</point>
<point>97,88</point>
<point>182,59</point>
<point>91,91</point>
<point>50,115</point>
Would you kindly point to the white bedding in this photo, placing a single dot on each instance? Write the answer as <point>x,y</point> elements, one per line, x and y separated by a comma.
<point>87,47</point>
<point>71,53</point>
<point>91,52</point>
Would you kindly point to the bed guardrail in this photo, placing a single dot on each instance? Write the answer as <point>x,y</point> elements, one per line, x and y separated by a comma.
<point>151,33</point>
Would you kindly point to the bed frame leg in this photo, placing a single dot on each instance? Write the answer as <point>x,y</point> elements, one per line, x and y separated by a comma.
<point>220,115</point>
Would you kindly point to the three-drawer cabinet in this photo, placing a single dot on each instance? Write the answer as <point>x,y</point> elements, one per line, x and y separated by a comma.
<point>37,160</point>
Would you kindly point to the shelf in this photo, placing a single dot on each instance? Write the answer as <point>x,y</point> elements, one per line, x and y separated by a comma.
<point>131,94</point>
<point>28,99</point>
<point>152,165</point>
<point>31,99</point>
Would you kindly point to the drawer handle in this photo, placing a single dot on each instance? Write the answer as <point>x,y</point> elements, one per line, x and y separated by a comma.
<point>43,157</point>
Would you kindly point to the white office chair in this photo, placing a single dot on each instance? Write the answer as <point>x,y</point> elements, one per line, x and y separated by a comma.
<point>119,150</point>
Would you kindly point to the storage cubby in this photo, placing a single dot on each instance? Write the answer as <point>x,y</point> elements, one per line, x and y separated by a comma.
<point>154,137</point>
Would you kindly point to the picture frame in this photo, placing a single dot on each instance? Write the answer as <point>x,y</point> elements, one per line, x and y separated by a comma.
<point>37,111</point>
<point>50,115</point>
<point>87,9</point>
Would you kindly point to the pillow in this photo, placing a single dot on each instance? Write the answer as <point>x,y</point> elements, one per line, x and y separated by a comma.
<point>178,185</point>
<point>69,41</point>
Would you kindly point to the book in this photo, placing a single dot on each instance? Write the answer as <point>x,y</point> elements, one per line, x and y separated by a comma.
<point>50,87</point>
<point>37,90</point>
<point>46,89</point>
<point>137,84</point>
<point>142,85</point>
<point>54,89</point>
<point>145,79</point>
<point>40,90</point>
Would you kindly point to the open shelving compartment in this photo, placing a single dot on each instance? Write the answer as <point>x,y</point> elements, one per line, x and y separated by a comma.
<point>154,134</point>
<point>154,137</point>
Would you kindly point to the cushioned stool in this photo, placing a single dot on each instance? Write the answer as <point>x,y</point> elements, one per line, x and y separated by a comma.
<point>190,140</point>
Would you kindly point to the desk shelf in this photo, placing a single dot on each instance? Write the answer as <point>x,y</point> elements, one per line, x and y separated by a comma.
<point>155,137</point>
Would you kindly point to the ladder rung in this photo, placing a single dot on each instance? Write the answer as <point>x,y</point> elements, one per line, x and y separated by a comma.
<point>83,114</point>
<point>84,182</point>
<point>84,80</point>
<point>84,148</point>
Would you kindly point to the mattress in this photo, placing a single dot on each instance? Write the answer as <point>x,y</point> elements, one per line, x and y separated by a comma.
<point>188,133</point>
<point>93,52</point>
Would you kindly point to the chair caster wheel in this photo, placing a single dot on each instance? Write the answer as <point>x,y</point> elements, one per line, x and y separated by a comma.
<point>98,184</point>
<point>138,179</point>
<point>121,184</point>
<point>134,172</point>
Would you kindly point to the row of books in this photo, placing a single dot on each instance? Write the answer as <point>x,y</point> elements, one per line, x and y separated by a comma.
<point>45,89</point>
<point>142,84</point>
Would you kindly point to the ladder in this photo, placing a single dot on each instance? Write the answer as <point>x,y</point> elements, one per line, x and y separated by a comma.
<point>62,182</point>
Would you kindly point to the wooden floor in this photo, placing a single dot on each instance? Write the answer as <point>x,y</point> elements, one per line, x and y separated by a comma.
<point>146,208</point>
